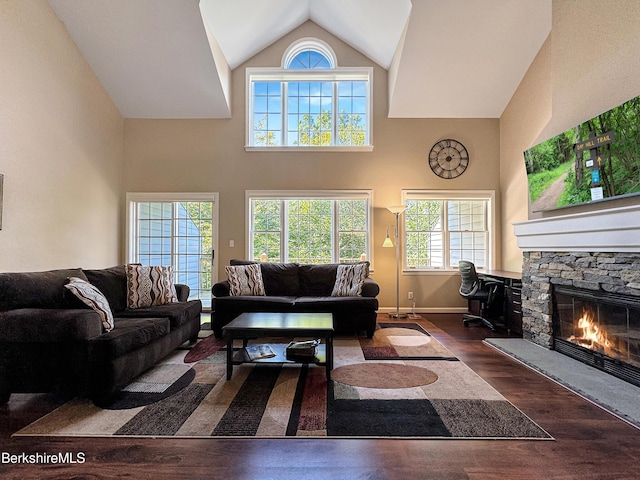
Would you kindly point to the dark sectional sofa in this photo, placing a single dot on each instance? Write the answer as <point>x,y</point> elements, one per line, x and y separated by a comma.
<point>294,287</point>
<point>50,341</point>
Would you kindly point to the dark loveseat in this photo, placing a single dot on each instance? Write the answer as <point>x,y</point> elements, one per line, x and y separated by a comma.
<point>51,341</point>
<point>294,287</point>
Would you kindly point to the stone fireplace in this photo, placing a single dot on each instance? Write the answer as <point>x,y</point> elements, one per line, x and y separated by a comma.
<point>595,252</point>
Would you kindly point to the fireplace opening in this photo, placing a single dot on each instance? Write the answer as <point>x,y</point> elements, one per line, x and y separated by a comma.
<point>598,328</point>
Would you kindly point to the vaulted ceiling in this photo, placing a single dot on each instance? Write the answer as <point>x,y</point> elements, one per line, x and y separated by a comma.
<point>172,59</point>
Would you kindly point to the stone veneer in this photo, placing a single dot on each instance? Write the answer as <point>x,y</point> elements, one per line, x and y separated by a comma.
<point>611,272</point>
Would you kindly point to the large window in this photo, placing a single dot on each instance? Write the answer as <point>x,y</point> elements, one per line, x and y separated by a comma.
<point>309,102</point>
<point>309,227</point>
<point>179,231</point>
<point>442,228</point>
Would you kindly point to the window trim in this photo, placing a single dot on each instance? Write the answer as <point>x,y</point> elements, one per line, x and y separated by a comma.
<point>287,75</point>
<point>485,195</point>
<point>310,194</point>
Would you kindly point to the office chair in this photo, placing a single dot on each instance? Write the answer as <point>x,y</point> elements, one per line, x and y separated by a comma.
<point>475,288</point>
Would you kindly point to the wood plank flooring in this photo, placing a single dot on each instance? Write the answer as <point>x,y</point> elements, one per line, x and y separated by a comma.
<point>589,442</point>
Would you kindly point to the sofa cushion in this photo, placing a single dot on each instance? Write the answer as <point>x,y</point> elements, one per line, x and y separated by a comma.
<point>245,280</point>
<point>129,334</point>
<point>37,289</point>
<point>178,313</point>
<point>44,325</point>
<point>93,298</point>
<point>254,304</point>
<point>279,279</point>
<point>112,282</point>
<point>149,285</point>
<point>349,280</point>
<point>341,305</point>
<point>317,280</point>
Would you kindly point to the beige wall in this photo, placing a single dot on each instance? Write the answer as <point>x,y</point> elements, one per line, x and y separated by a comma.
<point>209,156</point>
<point>589,64</point>
<point>60,148</point>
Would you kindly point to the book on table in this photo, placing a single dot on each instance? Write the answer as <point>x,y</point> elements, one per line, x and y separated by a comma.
<point>307,348</point>
<point>258,351</point>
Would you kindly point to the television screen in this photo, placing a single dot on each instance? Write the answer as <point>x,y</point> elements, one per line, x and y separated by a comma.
<point>594,161</point>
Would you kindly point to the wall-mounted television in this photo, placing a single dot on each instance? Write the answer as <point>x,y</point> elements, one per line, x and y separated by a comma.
<point>595,161</point>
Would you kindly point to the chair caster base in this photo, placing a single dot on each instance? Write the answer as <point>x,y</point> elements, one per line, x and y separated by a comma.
<point>467,318</point>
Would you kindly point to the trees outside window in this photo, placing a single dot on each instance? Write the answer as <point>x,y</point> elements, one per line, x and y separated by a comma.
<point>441,229</point>
<point>332,227</point>
<point>309,102</point>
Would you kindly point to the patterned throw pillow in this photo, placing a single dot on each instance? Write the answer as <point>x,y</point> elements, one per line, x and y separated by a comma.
<point>245,280</point>
<point>91,296</point>
<point>149,286</point>
<point>349,280</point>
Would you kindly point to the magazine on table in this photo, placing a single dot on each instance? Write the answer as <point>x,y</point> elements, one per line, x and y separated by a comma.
<point>258,351</point>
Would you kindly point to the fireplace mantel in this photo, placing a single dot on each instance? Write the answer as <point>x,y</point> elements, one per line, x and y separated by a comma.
<point>610,230</point>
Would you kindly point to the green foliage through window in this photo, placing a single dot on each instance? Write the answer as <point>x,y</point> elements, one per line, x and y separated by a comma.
<point>309,230</point>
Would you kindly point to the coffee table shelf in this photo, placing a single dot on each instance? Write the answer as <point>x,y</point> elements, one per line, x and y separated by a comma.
<point>279,349</point>
<point>256,325</point>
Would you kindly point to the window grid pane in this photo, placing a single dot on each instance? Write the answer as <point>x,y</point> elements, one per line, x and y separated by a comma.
<point>266,228</point>
<point>423,226</point>
<point>352,230</point>
<point>309,114</point>
<point>352,109</point>
<point>309,231</point>
<point>267,113</point>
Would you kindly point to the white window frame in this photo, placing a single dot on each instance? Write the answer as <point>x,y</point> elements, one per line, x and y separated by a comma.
<point>451,195</point>
<point>133,198</point>
<point>312,195</point>
<point>284,75</point>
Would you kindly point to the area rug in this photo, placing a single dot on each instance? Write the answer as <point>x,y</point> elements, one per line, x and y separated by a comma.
<point>402,383</point>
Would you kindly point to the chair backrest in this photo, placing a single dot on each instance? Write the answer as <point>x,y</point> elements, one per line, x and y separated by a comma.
<point>470,281</point>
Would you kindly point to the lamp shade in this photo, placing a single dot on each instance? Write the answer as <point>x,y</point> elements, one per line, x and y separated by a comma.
<point>387,242</point>
<point>397,209</point>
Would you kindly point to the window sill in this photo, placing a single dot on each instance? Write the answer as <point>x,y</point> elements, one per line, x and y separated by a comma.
<point>365,148</point>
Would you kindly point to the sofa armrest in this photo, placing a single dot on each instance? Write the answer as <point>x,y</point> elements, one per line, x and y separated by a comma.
<point>182,292</point>
<point>221,289</point>
<point>35,325</point>
<point>370,288</point>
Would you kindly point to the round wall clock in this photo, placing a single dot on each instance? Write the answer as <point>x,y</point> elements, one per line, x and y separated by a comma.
<point>448,158</point>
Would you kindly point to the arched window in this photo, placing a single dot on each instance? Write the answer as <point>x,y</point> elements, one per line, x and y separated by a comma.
<point>309,102</point>
<point>309,53</point>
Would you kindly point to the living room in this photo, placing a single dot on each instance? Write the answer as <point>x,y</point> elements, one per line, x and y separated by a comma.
<point>70,156</point>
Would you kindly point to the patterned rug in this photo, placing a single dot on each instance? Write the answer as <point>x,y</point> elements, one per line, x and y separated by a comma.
<point>402,383</point>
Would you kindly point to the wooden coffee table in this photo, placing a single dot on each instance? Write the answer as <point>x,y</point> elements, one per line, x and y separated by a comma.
<point>254,325</point>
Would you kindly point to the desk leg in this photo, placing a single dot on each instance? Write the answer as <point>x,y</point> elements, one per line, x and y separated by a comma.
<point>229,357</point>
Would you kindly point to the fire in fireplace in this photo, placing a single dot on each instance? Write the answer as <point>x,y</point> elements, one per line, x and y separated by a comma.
<point>599,328</point>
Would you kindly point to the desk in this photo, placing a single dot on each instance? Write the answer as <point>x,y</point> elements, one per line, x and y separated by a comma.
<point>512,298</point>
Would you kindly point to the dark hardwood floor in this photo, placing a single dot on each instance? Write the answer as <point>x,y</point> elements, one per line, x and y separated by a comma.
<point>589,442</point>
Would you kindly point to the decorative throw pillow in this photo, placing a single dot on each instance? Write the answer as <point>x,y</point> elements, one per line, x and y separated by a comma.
<point>91,296</point>
<point>245,279</point>
<point>148,286</point>
<point>349,280</point>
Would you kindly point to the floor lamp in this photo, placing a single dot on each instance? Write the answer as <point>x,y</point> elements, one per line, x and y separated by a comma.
<point>397,211</point>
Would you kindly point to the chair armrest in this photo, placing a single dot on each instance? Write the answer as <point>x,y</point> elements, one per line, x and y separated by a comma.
<point>182,292</point>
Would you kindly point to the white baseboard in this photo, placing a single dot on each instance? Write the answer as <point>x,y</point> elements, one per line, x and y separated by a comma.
<point>408,310</point>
